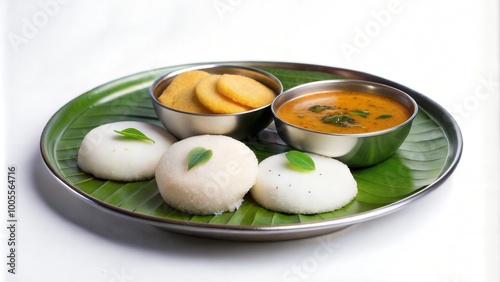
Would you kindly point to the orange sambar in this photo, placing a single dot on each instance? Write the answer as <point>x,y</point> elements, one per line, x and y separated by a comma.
<point>344,112</point>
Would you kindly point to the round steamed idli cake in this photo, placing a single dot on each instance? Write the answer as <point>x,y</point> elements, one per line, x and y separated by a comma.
<point>282,187</point>
<point>109,155</point>
<point>213,187</point>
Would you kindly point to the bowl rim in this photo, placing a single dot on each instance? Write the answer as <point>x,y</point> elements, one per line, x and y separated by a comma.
<point>340,82</point>
<point>176,72</point>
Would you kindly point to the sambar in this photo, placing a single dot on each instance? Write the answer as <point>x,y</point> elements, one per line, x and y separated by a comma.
<point>344,112</point>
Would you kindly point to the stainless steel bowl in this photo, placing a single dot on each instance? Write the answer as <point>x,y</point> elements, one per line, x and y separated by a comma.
<point>355,150</point>
<point>239,126</point>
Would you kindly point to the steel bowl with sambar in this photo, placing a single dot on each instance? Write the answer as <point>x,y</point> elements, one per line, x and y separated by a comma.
<point>360,123</point>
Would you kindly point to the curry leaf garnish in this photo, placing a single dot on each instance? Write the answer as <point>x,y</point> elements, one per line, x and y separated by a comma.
<point>360,113</point>
<point>198,156</point>
<point>384,116</point>
<point>134,134</point>
<point>300,160</point>
<point>319,108</point>
<point>340,120</point>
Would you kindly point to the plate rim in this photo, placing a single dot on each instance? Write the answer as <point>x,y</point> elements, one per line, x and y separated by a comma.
<point>452,133</point>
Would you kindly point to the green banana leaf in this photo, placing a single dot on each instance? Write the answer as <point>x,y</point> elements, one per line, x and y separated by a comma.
<point>415,165</point>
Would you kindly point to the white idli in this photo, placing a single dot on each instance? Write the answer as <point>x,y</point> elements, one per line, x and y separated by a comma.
<point>282,187</point>
<point>214,187</point>
<point>109,155</point>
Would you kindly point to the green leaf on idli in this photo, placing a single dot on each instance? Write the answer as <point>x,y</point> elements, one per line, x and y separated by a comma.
<point>134,134</point>
<point>198,156</point>
<point>300,160</point>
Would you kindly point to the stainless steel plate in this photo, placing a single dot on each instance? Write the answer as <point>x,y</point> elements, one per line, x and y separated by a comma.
<point>127,99</point>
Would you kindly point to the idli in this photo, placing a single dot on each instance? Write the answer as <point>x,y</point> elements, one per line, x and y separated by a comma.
<point>109,155</point>
<point>213,187</point>
<point>283,187</point>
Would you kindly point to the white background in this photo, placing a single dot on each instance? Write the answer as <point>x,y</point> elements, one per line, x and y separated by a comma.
<point>53,51</point>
